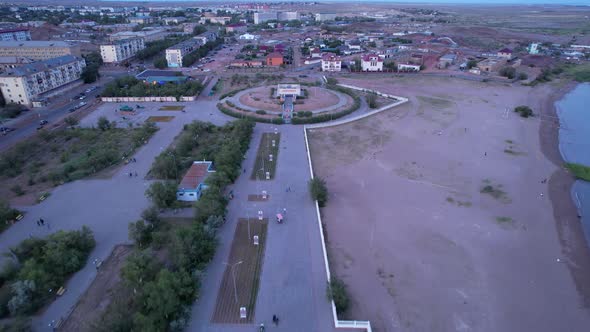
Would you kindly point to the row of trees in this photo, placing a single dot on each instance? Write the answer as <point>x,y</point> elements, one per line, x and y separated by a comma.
<point>129,86</point>
<point>93,62</point>
<point>39,267</point>
<point>155,47</point>
<point>201,52</point>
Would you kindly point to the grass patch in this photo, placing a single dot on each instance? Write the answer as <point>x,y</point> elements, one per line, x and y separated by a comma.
<point>171,108</point>
<point>263,164</point>
<point>579,73</point>
<point>458,203</point>
<point>54,157</point>
<point>581,172</point>
<point>160,119</point>
<point>495,191</point>
<point>504,220</point>
<point>247,273</point>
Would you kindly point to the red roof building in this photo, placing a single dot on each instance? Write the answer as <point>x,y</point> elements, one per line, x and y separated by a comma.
<point>193,183</point>
<point>274,59</point>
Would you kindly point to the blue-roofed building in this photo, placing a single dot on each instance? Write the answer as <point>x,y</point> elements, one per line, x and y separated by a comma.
<point>161,76</point>
<point>24,84</point>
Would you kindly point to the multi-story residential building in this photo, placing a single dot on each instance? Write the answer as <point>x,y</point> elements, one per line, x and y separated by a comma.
<point>8,62</point>
<point>141,19</point>
<point>174,54</point>
<point>15,34</point>
<point>189,27</point>
<point>236,28</point>
<point>173,20</point>
<point>261,17</point>
<point>23,84</point>
<point>147,35</point>
<point>372,62</point>
<point>331,62</point>
<point>223,20</point>
<point>288,16</point>
<point>325,17</point>
<point>38,49</point>
<point>121,50</point>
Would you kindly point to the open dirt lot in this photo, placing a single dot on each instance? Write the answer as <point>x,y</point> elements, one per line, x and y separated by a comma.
<point>411,230</point>
<point>317,98</point>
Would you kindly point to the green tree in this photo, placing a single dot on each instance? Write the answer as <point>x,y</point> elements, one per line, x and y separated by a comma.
<point>162,193</point>
<point>140,267</point>
<point>336,291</point>
<point>318,190</point>
<point>524,111</point>
<point>371,100</point>
<point>71,121</point>
<point>160,62</point>
<point>508,72</point>
<point>471,64</point>
<point>103,123</point>
<point>192,247</point>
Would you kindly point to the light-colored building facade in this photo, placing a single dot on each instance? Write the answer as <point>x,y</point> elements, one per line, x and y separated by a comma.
<point>141,19</point>
<point>174,54</point>
<point>236,28</point>
<point>173,20</point>
<point>147,35</point>
<point>223,20</point>
<point>37,49</point>
<point>193,184</point>
<point>8,62</point>
<point>22,85</point>
<point>261,17</point>
<point>321,17</point>
<point>331,62</point>
<point>372,62</point>
<point>408,67</point>
<point>16,34</point>
<point>121,50</point>
<point>288,16</point>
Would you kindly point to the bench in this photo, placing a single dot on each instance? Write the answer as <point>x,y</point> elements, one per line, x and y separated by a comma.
<point>60,291</point>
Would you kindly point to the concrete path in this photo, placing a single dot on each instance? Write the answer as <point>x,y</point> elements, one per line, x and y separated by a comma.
<point>293,279</point>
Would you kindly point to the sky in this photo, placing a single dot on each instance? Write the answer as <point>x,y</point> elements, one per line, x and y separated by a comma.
<point>482,2</point>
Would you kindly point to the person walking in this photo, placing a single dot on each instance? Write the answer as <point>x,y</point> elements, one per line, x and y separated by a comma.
<point>42,221</point>
<point>135,174</point>
<point>38,223</point>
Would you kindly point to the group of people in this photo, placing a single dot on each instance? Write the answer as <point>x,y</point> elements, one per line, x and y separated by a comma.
<point>132,173</point>
<point>41,222</point>
<point>275,320</point>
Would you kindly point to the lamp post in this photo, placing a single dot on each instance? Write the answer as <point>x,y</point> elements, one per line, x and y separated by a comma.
<point>234,277</point>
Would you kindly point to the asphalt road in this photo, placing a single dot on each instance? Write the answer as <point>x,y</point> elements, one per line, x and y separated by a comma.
<point>26,125</point>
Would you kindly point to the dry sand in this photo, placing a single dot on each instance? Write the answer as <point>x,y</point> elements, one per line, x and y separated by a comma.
<point>420,247</point>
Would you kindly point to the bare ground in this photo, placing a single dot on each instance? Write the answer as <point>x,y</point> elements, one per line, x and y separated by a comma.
<point>318,98</point>
<point>409,230</point>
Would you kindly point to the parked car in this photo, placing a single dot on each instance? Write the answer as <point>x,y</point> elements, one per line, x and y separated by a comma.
<point>81,104</point>
<point>43,122</point>
<point>71,110</point>
<point>82,97</point>
<point>5,130</point>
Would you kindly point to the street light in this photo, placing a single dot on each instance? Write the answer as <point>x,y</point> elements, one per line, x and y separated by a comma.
<point>234,277</point>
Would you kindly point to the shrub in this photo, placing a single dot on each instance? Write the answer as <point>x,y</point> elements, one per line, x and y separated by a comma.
<point>318,190</point>
<point>371,100</point>
<point>522,76</point>
<point>162,193</point>
<point>524,111</point>
<point>336,291</point>
<point>508,72</point>
<point>581,172</point>
<point>103,123</point>
<point>160,62</point>
<point>17,190</point>
<point>262,112</point>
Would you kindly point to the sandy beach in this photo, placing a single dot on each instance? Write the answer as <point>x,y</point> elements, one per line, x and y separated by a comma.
<point>440,218</point>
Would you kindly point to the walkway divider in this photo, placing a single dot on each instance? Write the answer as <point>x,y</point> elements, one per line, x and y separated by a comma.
<point>346,324</point>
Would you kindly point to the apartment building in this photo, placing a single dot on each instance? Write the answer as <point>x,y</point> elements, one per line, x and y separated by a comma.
<point>372,62</point>
<point>331,62</point>
<point>147,35</point>
<point>24,84</point>
<point>174,54</point>
<point>121,50</point>
<point>8,62</point>
<point>288,16</point>
<point>223,20</point>
<point>141,19</point>
<point>261,17</point>
<point>322,17</point>
<point>38,49</point>
<point>15,34</point>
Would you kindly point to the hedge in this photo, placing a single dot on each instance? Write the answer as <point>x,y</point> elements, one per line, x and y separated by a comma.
<point>235,114</point>
<point>333,116</point>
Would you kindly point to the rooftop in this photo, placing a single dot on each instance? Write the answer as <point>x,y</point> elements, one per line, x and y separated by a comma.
<point>275,55</point>
<point>331,57</point>
<point>373,55</point>
<point>35,43</point>
<point>195,175</point>
<point>39,66</point>
<point>13,30</point>
<point>505,50</point>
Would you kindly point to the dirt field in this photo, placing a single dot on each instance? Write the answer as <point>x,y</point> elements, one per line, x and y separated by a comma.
<point>438,217</point>
<point>97,297</point>
<point>317,98</point>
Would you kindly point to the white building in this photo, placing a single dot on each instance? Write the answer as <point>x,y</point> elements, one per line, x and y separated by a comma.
<point>288,16</point>
<point>23,84</point>
<point>321,17</point>
<point>248,36</point>
<point>15,34</point>
<point>141,19</point>
<point>534,48</point>
<point>38,49</point>
<point>372,62</point>
<point>121,50</point>
<point>261,17</point>
<point>147,35</point>
<point>174,54</point>
<point>173,20</point>
<point>331,62</point>
<point>223,20</point>
<point>407,67</point>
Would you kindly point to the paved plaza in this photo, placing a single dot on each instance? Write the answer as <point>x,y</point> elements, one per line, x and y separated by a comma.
<point>293,278</point>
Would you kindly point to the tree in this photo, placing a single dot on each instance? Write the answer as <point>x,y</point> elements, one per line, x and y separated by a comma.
<point>371,100</point>
<point>336,291</point>
<point>103,123</point>
<point>71,121</point>
<point>192,247</point>
<point>141,233</point>
<point>318,190</point>
<point>471,64</point>
<point>524,111</point>
<point>522,76</point>
<point>508,72</point>
<point>160,62</point>
<point>139,268</point>
<point>162,193</point>
<point>22,301</point>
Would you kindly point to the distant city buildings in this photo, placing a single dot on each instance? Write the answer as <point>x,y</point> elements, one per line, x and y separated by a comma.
<point>15,34</point>
<point>288,16</point>
<point>223,20</point>
<point>147,35</point>
<point>22,85</point>
<point>141,19</point>
<point>121,50</point>
<point>236,28</point>
<point>37,49</point>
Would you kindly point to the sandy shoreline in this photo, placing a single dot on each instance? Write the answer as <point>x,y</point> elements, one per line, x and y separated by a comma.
<point>565,212</point>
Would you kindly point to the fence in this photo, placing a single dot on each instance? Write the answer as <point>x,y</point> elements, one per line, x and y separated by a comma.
<point>142,99</point>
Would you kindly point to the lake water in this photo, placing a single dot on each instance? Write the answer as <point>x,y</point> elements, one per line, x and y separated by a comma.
<point>574,143</point>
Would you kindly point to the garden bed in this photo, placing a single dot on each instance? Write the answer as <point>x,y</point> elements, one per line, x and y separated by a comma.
<point>263,164</point>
